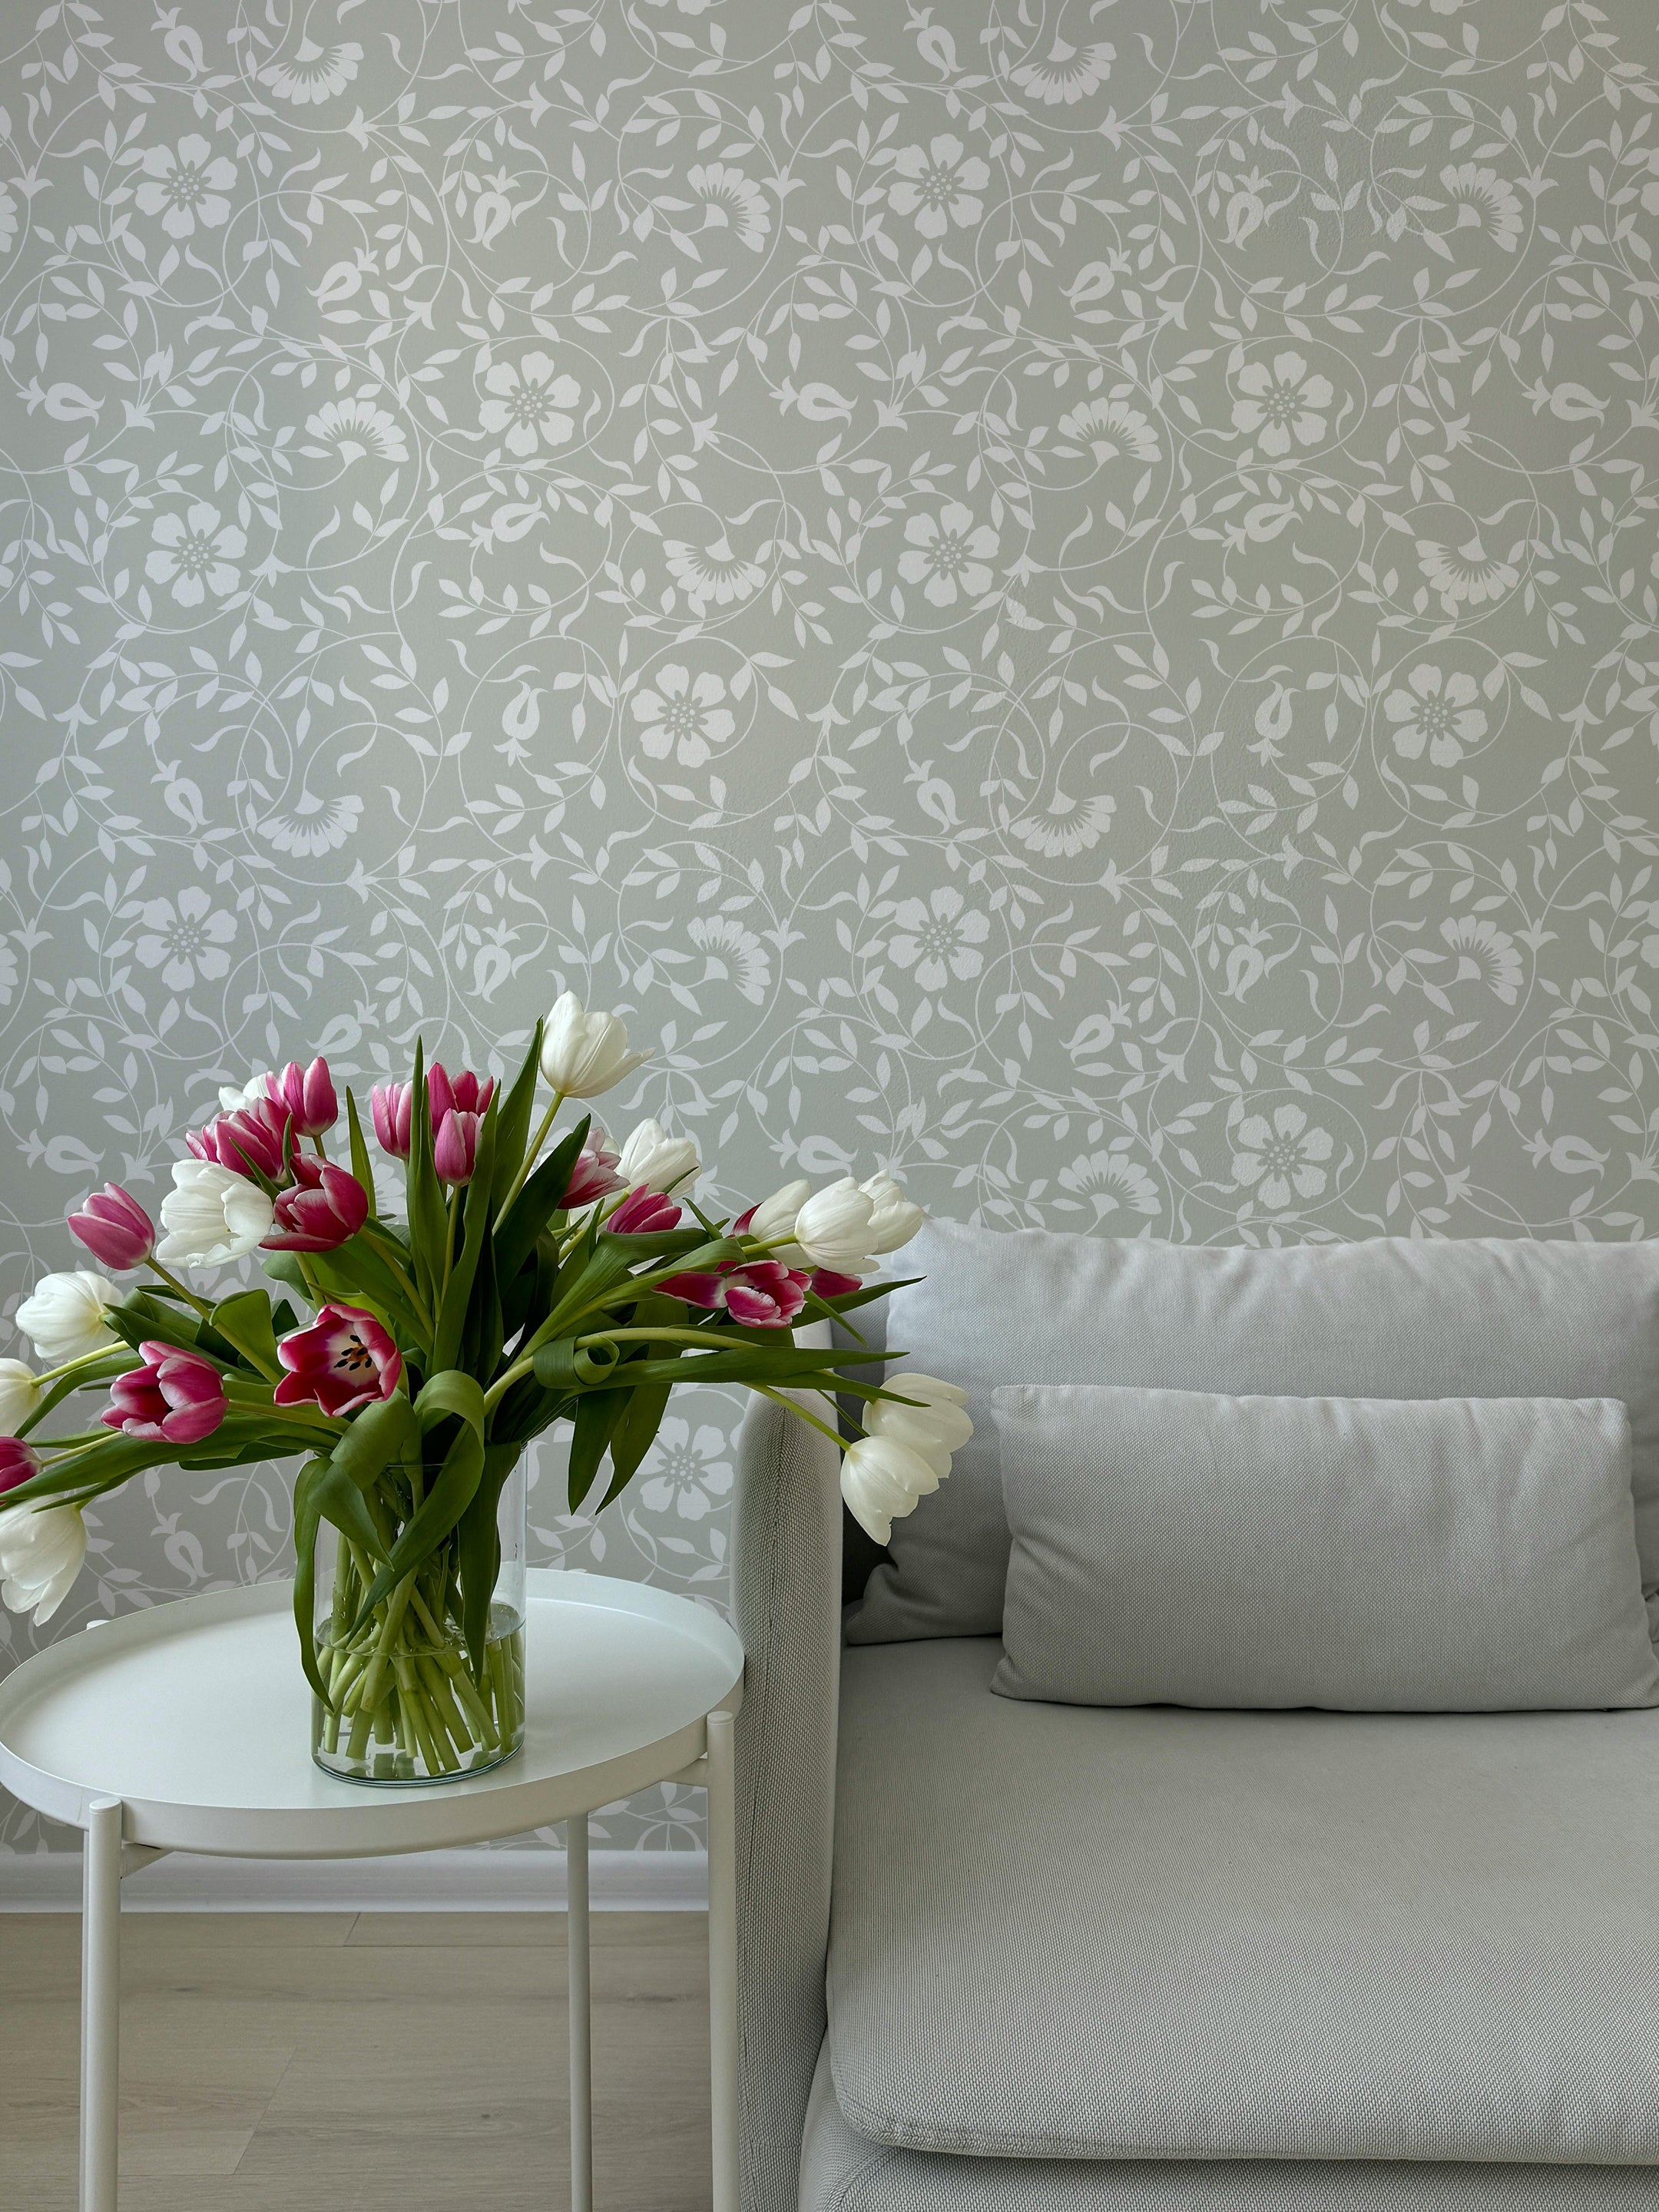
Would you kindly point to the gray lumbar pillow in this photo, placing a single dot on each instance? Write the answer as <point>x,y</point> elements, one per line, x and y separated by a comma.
<point>1391,1317</point>
<point>1362,1554</point>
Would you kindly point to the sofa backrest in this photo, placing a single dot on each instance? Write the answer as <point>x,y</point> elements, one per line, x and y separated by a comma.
<point>1392,1317</point>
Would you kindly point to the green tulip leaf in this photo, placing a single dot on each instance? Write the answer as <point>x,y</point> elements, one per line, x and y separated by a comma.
<point>634,1435</point>
<point>513,1129</point>
<point>244,1321</point>
<point>361,1165</point>
<point>523,1221</point>
<point>598,1413</point>
<point>457,1290</point>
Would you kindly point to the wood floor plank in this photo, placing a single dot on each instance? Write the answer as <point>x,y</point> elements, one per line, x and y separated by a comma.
<point>372,2062</point>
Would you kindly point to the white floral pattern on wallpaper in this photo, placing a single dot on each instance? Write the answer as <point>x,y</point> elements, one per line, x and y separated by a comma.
<point>1061,597</point>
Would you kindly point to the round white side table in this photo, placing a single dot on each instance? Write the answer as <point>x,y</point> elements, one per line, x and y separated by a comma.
<point>186,1728</point>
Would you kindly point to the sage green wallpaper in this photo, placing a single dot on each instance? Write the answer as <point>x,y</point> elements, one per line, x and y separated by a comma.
<point>1057,596</point>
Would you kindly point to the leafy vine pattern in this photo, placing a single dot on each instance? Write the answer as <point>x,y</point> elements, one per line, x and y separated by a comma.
<point>1059,595</point>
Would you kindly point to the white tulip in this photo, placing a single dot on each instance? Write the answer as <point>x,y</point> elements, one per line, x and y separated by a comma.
<point>19,1394</point>
<point>774,1221</point>
<point>881,1480</point>
<point>210,1216</point>
<point>583,1053</point>
<point>894,1219</point>
<point>63,1315</point>
<point>254,1092</point>
<point>833,1229</point>
<point>653,1160</point>
<point>42,1549</point>
<point>935,1428</point>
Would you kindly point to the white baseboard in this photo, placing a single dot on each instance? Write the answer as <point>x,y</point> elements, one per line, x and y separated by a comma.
<point>420,1882</point>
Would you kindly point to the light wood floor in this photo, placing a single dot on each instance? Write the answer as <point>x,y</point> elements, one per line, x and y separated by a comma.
<point>359,2062</point>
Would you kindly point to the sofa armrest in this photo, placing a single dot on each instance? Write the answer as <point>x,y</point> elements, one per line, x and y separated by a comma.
<point>786,1575</point>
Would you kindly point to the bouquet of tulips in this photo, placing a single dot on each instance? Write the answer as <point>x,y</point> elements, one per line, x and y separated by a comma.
<point>406,1362</point>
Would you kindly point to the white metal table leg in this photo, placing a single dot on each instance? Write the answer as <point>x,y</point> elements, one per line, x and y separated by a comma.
<point>723,1960</point>
<point>581,2016</point>
<point>100,2007</point>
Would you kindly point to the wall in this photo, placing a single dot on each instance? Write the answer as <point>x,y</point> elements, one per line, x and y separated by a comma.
<point>1062,597</point>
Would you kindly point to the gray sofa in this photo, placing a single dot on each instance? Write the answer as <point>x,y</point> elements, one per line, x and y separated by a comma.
<point>999,1955</point>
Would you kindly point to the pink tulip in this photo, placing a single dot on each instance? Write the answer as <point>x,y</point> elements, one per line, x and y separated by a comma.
<point>391,1104</point>
<point>251,1137</point>
<point>17,1464</point>
<point>326,1206</point>
<point>643,1213</point>
<point>455,1148</point>
<point>305,1095</point>
<point>345,1361</point>
<point>465,1093</point>
<point>827,1284</point>
<point>114,1228</point>
<point>594,1174</point>
<point>176,1397</point>
<point>761,1294</point>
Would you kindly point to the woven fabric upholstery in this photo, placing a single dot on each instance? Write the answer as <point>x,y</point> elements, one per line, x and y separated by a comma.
<point>1393,1317</point>
<point>842,2171</point>
<point>786,1607</point>
<point>1365,1554</point>
<point>1061,1931</point>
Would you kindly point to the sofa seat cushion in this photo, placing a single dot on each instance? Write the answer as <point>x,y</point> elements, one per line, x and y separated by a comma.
<point>1063,1932</point>
<point>842,2171</point>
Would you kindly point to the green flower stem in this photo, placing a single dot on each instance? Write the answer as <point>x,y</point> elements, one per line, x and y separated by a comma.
<point>451,1212</point>
<point>393,1257</point>
<point>183,1289</point>
<point>532,1152</point>
<point>778,1398</point>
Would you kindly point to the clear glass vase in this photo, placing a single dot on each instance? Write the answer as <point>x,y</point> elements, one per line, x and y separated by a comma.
<point>407,1703</point>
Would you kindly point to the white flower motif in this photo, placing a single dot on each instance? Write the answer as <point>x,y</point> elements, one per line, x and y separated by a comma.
<point>312,826</point>
<point>1281,1159</point>
<point>1281,403</point>
<point>1111,430</point>
<point>1485,202</point>
<point>186,186</point>
<point>492,208</point>
<point>1066,826</point>
<point>8,221</point>
<point>1486,954</point>
<point>941,939</point>
<point>187,941</point>
<point>714,573</point>
<point>354,428</point>
<point>691,1469</point>
<point>1110,1182</point>
<point>530,404</point>
<point>948,550</point>
<point>314,75</point>
<point>938,185</point>
<point>1435,713</point>
<point>196,554</point>
<point>1468,577</point>
<point>731,202</point>
<point>683,716</point>
<point>1067,75</point>
<point>733,955</point>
